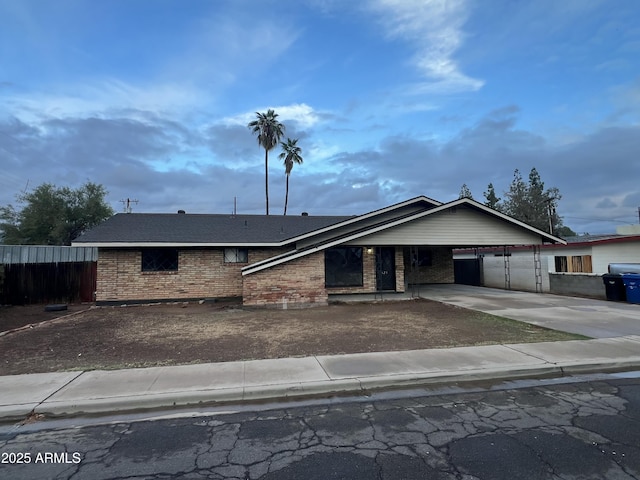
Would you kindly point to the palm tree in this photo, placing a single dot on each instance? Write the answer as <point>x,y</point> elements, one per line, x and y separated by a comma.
<point>269,131</point>
<point>290,155</point>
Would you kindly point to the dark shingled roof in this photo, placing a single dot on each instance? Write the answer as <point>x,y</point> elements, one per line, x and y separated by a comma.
<point>203,228</point>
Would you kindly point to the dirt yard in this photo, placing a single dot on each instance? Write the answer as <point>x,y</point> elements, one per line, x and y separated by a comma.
<point>138,336</point>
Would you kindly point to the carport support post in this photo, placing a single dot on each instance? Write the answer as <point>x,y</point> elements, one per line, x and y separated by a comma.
<point>507,268</point>
<point>537,267</point>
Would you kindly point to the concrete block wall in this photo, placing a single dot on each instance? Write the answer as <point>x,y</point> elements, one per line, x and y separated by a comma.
<point>202,273</point>
<point>297,283</point>
<point>521,272</point>
<point>578,284</point>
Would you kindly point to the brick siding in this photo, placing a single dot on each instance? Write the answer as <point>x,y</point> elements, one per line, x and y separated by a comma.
<point>202,273</point>
<point>440,271</point>
<point>369,274</point>
<point>296,283</point>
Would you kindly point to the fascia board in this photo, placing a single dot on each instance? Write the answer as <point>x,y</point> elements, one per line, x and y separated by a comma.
<point>173,244</point>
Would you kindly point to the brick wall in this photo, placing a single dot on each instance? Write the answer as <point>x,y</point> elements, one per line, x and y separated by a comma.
<point>369,274</point>
<point>399,269</point>
<point>301,282</point>
<point>296,283</point>
<point>441,270</point>
<point>201,273</point>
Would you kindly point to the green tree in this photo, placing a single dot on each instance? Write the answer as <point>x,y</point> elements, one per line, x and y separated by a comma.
<point>532,204</point>
<point>564,232</point>
<point>465,192</point>
<point>492,200</point>
<point>269,131</point>
<point>291,154</point>
<point>54,216</point>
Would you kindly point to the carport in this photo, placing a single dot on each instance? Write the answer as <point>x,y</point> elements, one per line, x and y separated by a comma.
<point>392,250</point>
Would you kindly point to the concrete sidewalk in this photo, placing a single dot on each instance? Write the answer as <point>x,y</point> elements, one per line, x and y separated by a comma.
<point>118,391</point>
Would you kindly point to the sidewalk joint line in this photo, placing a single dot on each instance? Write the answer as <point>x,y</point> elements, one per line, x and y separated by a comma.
<point>52,394</point>
<point>322,367</point>
<point>528,354</point>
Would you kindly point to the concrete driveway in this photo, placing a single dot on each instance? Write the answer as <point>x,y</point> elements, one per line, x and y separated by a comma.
<point>593,318</point>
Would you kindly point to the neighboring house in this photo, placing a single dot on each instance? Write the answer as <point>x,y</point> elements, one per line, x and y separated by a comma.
<point>285,260</point>
<point>573,268</point>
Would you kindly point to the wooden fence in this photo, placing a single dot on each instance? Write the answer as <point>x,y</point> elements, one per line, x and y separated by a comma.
<point>44,274</point>
<point>34,283</point>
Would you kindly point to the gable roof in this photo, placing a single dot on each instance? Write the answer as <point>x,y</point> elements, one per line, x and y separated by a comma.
<point>178,229</point>
<point>182,229</point>
<point>355,234</point>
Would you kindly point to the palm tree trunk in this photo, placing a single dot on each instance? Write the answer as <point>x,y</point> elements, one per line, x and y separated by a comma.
<point>286,196</point>
<point>266,177</point>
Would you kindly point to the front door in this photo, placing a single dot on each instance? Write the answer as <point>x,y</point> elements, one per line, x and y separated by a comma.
<point>385,268</point>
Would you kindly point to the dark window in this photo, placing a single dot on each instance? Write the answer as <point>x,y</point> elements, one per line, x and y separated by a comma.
<point>159,260</point>
<point>236,255</point>
<point>343,267</point>
<point>574,264</point>
<point>425,257</point>
<point>419,256</point>
<point>561,264</point>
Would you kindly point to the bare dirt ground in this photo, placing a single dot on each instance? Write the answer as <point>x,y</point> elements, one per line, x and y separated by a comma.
<point>138,336</point>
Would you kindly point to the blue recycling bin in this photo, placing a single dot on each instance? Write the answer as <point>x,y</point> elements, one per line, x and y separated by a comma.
<point>632,285</point>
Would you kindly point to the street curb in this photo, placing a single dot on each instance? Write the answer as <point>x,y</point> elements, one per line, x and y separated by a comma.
<point>304,390</point>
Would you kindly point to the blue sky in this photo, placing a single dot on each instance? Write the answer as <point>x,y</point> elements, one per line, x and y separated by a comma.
<point>390,99</point>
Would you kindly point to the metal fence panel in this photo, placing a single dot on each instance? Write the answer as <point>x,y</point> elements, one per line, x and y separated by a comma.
<point>24,254</point>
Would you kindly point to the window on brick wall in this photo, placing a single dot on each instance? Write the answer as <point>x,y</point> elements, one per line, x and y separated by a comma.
<point>574,264</point>
<point>159,260</point>
<point>236,255</point>
<point>343,267</point>
<point>419,256</point>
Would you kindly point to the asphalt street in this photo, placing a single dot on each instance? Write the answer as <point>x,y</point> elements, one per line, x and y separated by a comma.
<point>547,429</point>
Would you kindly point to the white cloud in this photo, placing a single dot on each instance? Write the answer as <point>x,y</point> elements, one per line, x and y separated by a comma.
<point>434,27</point>
<point>101,96</point>
<point>300,113</point>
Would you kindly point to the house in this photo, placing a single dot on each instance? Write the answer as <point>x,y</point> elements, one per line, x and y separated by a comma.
<point>572,268</point>
<point>292,260</point>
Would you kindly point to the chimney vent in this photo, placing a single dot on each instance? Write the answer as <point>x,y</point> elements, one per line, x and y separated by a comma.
<point>181,211</point>
<point>305,214</point>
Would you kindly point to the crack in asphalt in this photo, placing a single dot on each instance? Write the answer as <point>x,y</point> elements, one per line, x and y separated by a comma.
<point>430,434</point>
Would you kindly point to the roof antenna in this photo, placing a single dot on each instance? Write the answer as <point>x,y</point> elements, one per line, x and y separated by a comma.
<point>127,204</point>
<point>235,206</point>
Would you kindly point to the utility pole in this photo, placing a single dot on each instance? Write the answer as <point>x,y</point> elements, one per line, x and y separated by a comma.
<point>551,210</point>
